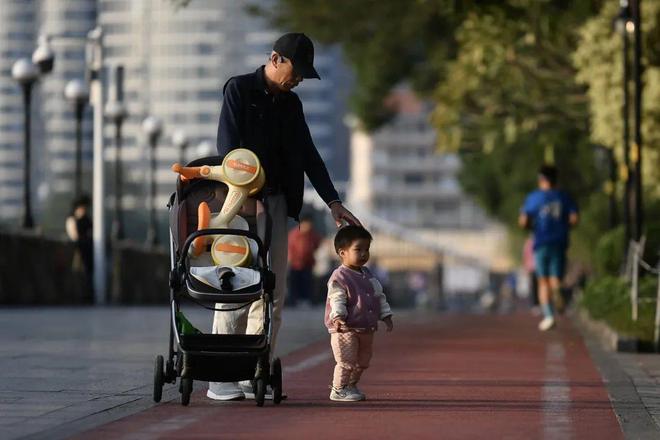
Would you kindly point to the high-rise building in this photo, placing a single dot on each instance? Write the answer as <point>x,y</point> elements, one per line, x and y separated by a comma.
<point>397,175</point>
<point>409,196</point>
<point>67,24</point>
<point>53,124</point>
<point>176,62</point>
<point>17,23</point>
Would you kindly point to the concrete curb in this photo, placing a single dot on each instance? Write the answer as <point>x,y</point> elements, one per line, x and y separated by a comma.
<point>609,338</point>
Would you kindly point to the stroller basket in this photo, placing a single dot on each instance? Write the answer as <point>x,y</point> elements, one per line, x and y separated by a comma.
<point>223,343</point>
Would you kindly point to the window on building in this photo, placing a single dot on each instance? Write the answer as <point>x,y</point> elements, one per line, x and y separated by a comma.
<point>204,49</point>
<point>208,95</point>
<point>90,14</point>
<point>113,5</point>
<point>205,118</point>
<point>413,178</point>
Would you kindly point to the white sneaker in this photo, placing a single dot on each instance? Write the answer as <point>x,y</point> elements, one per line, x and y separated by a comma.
<point>225,391</point>
<point>355,390</point>
<point>345,394</point>
<point>546,324</point>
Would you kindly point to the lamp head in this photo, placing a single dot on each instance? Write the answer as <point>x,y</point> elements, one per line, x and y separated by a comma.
<point>24,71</point>
<point>152,127</point>
<point>76,91</point>
<point>44,56</point>
<point>116,111</point>
<point>179,138</point>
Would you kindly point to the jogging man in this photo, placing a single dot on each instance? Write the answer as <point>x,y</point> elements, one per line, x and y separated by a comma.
<point>551,213</point>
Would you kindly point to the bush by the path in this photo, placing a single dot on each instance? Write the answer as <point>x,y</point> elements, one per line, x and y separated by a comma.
<point>608,299</point>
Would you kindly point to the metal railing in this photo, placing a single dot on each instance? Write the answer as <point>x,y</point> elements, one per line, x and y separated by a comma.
<point>635,262</point>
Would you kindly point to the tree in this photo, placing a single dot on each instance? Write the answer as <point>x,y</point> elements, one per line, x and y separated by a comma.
<point>384,41</point>
<point>500,74</point>
<point>599,63</point>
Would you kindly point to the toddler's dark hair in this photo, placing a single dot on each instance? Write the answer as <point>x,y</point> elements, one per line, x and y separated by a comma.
<point>348,234</point>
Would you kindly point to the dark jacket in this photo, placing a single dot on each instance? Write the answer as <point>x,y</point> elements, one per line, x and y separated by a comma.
<point>243,124</point>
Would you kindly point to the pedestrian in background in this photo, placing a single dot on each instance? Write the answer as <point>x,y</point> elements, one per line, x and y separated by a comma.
<point>78,227</point>
<point>303,243</point>
<point>550,213</point>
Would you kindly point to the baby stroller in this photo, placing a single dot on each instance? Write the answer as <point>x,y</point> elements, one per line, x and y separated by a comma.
<point>194,355</point>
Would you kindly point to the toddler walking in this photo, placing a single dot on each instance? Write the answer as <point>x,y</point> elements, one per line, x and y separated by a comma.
<point>355,303</point>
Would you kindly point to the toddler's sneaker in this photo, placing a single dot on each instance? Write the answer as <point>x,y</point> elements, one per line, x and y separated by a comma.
<point>546,324</point>
<point>345,394</point>
<point>355,390</point>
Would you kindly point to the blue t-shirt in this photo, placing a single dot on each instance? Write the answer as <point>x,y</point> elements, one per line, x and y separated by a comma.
<point>549,212</point>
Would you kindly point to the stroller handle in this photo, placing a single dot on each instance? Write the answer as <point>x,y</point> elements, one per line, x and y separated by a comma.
<point>223,231</point>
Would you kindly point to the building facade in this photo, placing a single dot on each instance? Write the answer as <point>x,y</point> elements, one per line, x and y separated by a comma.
<point>397,175</point>
<point>53,121</point>
<point>176,61</point>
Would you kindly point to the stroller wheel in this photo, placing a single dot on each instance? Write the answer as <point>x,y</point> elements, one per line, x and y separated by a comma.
<point>260,391</point>
<point>158,379</point>
<point>276,381</point>
<point>186,390</point>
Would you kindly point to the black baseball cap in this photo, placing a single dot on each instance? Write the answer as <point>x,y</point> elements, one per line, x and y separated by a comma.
<point>300,50</point>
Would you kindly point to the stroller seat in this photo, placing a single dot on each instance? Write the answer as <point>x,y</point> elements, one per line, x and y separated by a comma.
<point>224,284</point>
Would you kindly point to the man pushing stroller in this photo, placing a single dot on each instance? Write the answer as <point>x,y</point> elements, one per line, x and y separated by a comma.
<point>261,113</point>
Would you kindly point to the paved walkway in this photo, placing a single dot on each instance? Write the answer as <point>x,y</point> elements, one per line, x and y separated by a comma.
<point>67,369</point>
<point>89,371</point>
<point>643,369</point>
<point>434,377</point>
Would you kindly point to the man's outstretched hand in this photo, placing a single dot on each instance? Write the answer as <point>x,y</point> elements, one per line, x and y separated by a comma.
<point>341,214</point>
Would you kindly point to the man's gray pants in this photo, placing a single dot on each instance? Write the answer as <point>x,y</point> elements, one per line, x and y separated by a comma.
<point>250,320</point>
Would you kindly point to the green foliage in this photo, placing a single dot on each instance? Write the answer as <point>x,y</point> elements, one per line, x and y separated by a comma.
<point>608,256</point>
<point>599,62</point>
<point>385,41</point>
<point>514,83</point>
<point>608,299</point>
<point>512,80</point>
<point>594,223</point>
<point>652,246</point>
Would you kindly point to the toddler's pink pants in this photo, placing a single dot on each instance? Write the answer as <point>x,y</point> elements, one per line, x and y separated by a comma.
<point>352,353</point>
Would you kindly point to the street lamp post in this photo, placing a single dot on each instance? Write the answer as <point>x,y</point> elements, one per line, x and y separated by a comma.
<point>26,73</point>
<point>637,150</point>
<point>180,140</point>
<point>152,127</point>
<point>76,92</point>
<point>95,75</point>
<point>116,112</point>
<point>608,161</point>
<point>625,26</point>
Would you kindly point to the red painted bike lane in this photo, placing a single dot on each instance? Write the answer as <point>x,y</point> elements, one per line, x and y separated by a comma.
<point>442,376</point>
